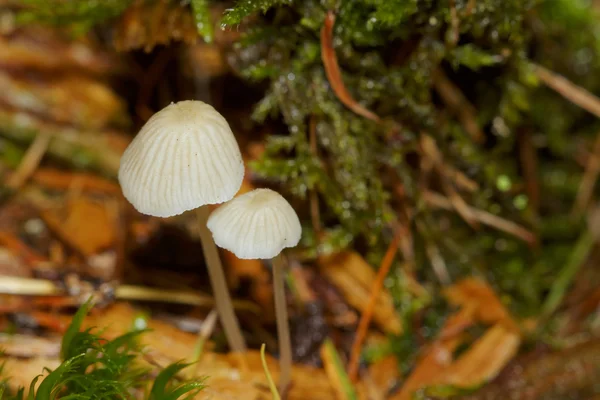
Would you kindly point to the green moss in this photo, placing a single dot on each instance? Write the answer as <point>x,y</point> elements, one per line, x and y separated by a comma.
<point>94,368</point>
<point>387,52</point>
<point>79,15</point>
<point>201,11</point>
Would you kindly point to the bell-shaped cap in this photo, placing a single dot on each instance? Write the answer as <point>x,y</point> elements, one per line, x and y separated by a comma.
<point>184,157</point>
<point>256,225</point>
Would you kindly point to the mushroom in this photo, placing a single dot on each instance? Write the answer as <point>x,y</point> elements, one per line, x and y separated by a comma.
<point>184,158</point>
<point>259,225</point>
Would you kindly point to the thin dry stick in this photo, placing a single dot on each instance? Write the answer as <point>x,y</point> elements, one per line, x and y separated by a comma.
<point>30,161</point>
<point>218,282</point>
<point>590,176</point>
<point>43,287</point>
<point>438,264</point>
<point>437,200</point>
<point>141,293</point>
<point>530,170</point>
<point>431,150</point>
<point>460,205</point>
<point>459,178</point>
<point>206,331</point>
<point>433,154</point>
<point>283,329</point>
<point>367,314</point>
<point>458,103</point>
<point>570,91</point>
<point>454,24</point>
<point>334,75</point>
<point>32,287</point>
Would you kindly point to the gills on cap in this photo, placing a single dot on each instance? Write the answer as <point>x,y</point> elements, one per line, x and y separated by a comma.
<point>184,157</point>
<point>256,225</point>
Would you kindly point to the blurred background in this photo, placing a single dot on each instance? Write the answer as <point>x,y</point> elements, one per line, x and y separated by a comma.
<point>442,156</point>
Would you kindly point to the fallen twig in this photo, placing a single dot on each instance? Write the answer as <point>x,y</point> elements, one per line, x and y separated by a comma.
<point>100,150</point>
<point>437,200</point>
<point>334,75</point>
<point>590,176</point>
<point>206,331</point>
<point>529,162</point>
<point>431,150</point>
<point>437,262</point>
<point>454,31</point>
<point>570,91</point>
<point>460,106</point>
<point>42,287</point>
<point>30,161</point>
<point>367,314</point>
<point>14,244</point>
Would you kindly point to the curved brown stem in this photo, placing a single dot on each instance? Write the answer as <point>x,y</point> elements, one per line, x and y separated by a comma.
<point>223,301</point>
<point>283,329</point>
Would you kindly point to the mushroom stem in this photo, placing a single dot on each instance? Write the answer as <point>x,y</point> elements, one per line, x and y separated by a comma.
<point>283,330</point>
<point>223,301</point>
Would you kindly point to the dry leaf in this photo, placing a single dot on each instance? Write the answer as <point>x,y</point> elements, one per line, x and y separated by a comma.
<point>384,374</point>
<point>83,224</point>
<point>354,277</point>
<point>488,307</point>
<point>485,358</point>
<point>437,358</point>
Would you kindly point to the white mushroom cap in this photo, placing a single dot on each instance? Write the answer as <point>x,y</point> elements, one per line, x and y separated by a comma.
<point>184,157</point>
<point>256,225</point>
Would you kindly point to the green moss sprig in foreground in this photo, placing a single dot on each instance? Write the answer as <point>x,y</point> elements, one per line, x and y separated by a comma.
<point>94,368</point>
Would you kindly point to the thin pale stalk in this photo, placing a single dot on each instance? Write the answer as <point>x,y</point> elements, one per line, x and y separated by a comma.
<point>223,302</point>
<point>283,329</point>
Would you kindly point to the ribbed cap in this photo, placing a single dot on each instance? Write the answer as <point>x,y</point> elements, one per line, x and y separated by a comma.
<point>184,157</point>
<point>256,225</point>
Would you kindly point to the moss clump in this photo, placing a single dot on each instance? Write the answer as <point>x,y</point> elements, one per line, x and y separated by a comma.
<point>94,368</point>
<point>391,55</point>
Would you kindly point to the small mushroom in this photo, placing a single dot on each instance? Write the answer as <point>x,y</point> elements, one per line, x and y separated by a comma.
<point>184,158</point>
<point>259,225</point>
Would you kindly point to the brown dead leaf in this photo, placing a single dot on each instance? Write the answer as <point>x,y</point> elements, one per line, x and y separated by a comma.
<point>488,307</point>
<point>83,224</point>
<point>384,374</point>
<point>485,358</point>
<point>437,358</point>
<point>354,277</point>
<point>166,343</point>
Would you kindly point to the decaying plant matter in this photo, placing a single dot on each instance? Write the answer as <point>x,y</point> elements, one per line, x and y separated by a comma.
<point>457,137</point>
